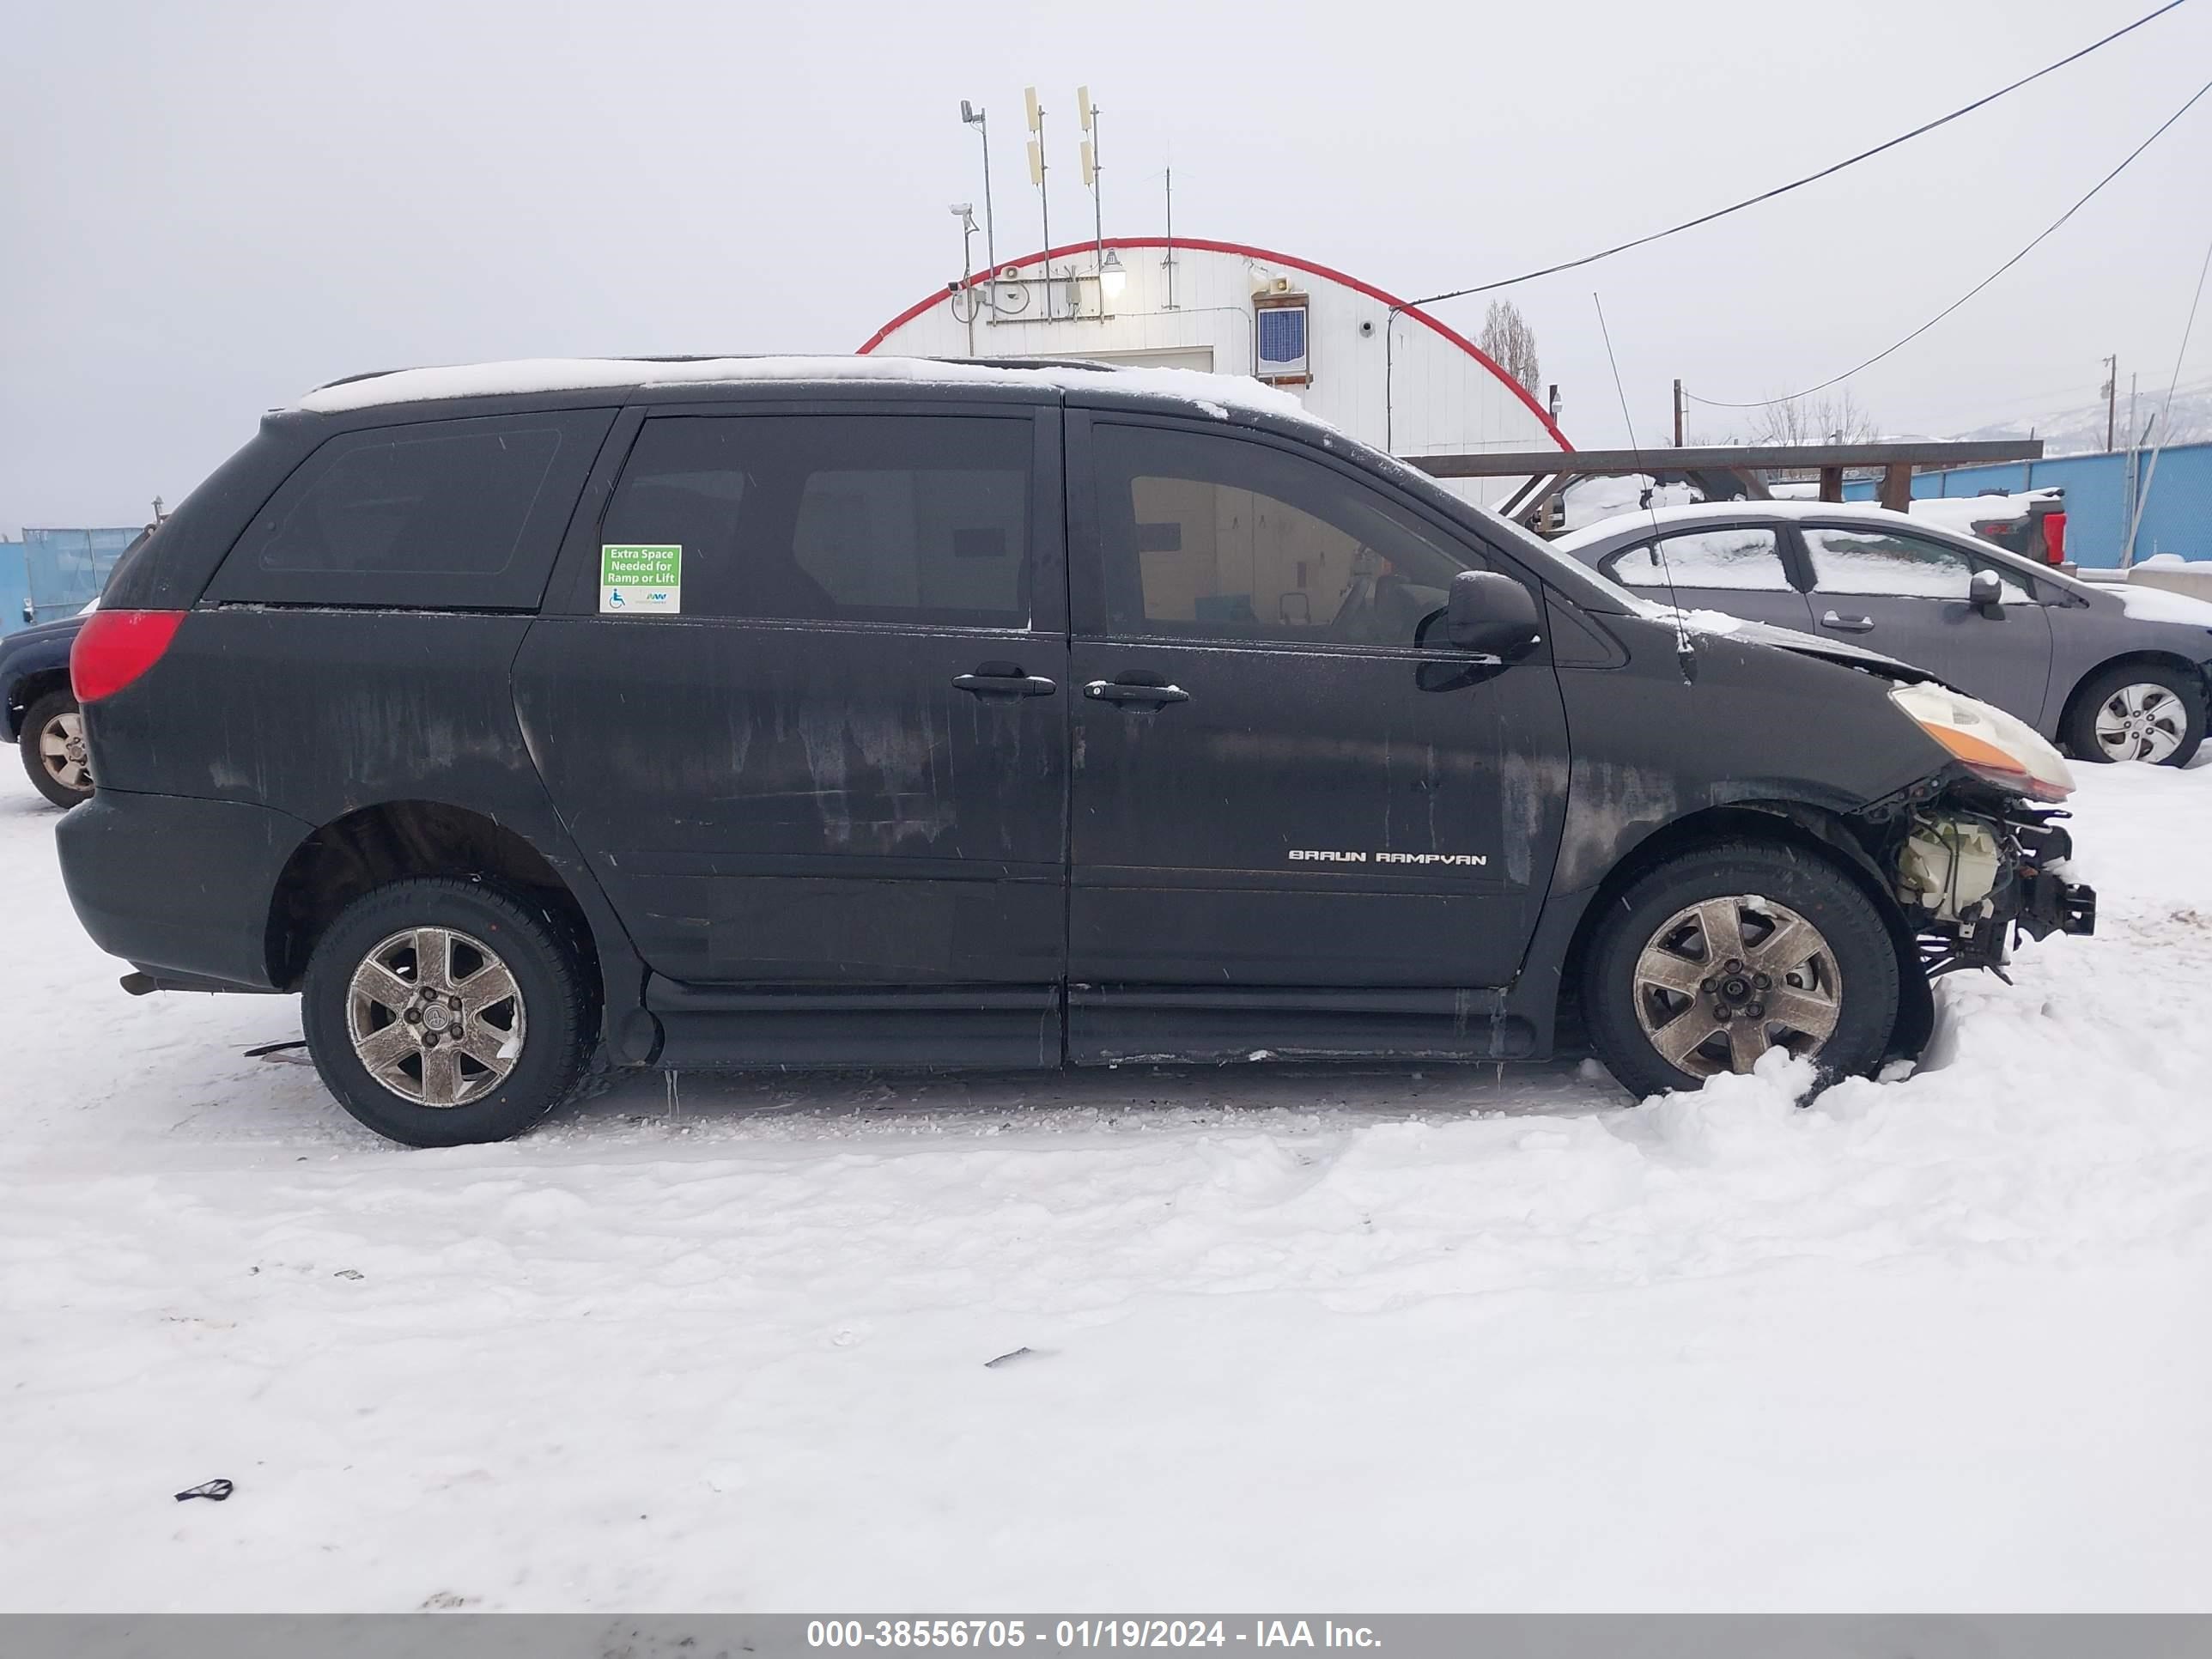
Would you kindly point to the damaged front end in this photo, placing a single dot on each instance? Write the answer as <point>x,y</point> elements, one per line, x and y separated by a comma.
<point>1973,853</point>
<point>1972,870</point>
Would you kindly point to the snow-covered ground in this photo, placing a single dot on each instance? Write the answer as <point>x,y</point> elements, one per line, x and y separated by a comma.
<point>1330,1340</point>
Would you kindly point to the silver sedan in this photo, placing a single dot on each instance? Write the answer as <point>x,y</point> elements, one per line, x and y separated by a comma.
<point>2115,673</point>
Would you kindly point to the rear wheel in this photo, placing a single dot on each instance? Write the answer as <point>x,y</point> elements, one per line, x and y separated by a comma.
<point>52,745</point>
<point>1721,956</point>
<point>442,1011</point>
<point>2138,712</point>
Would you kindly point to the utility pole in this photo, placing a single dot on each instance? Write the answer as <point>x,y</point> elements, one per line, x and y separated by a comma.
<point>1678,412</point>
<point>2111,398</point>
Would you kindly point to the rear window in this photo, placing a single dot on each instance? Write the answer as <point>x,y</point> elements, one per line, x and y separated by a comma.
<point>862,518</point>
<point>464,514</point>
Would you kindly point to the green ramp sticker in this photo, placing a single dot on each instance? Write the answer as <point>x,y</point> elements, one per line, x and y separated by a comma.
<point>646,577</point>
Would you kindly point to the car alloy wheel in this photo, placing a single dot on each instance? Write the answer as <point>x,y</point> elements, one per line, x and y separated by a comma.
<point>62,751</point>
<point>436,1017</point>
<point>2144,722</point>
<point>1722,982</point>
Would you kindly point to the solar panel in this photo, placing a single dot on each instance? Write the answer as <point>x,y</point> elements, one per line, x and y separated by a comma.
<point>1283,335</point>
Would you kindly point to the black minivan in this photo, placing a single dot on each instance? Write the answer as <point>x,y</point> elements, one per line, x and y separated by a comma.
<point>851,713</point>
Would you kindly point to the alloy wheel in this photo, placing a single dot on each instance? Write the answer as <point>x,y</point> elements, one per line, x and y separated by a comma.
<point>436,1017</point>
<point>1724,980</point>
<point>62,751</point>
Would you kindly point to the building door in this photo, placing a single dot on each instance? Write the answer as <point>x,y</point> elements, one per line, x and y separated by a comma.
<point>1198,357</point>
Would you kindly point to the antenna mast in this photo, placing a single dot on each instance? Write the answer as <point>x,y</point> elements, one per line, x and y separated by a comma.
<point>1087,113</point>
<point>978,119</point>
<point>1170,261</point>
<point>1037,177</point>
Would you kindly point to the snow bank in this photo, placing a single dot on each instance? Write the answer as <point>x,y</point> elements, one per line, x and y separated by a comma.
<point>1595,501</point>
<point>1216,394</point>
<point>1431,1339</point>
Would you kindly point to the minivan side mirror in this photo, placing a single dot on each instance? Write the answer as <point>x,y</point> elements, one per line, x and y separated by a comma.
<point>1494,614</point>
<point>1985,591</point>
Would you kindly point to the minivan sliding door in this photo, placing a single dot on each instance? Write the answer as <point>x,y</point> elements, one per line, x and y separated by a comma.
<point>811,730</point>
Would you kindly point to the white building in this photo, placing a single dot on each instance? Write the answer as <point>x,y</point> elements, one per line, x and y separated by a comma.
<point>1386,372</point>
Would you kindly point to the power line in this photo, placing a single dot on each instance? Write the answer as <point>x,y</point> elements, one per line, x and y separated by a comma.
<point>1809,179</point>
<point>1764,403</point>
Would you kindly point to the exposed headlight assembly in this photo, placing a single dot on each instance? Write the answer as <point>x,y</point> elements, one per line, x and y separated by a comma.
<point>1994,746</point>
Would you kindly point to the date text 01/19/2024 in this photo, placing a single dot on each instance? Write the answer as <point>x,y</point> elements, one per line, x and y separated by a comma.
<point>1085,1633</point>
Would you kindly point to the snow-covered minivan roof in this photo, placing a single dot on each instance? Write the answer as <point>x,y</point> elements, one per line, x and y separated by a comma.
<point>1218,394</point>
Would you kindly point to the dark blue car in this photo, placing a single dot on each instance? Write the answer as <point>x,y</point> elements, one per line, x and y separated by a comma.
<point>41,710</point>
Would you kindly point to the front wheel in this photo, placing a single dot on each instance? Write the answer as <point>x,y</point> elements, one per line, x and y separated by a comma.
<point>1718,957</point>
<point>2138,712</point>
<point>442,1011</point>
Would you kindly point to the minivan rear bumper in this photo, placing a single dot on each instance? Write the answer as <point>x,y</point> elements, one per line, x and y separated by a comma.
<point>178,886</point>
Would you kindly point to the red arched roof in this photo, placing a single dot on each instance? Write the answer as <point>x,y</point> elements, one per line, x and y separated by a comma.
<point>1270,257</point>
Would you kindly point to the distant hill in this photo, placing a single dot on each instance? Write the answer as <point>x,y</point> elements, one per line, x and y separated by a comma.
<point>2081,430</point>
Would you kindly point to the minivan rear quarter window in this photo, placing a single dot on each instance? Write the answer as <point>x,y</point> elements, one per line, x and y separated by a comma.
<point>837,517</point>
<point>430,515</point>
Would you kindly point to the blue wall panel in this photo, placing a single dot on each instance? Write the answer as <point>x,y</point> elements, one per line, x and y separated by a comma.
<point>15,587</point>
<point>2176,513</point>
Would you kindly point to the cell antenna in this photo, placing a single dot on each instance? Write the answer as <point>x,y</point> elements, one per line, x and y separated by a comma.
<point>1036,113</point>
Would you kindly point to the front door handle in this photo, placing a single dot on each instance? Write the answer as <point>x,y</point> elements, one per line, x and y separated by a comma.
<point>1848,624</point>
<point>1144,696</point>
<point>1004,679</point>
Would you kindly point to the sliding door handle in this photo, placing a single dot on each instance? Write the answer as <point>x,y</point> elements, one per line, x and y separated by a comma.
<point>1004,679</point>
<point>1141,696</point>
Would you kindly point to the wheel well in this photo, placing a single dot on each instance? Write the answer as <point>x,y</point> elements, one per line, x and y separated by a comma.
<point>1823,833</point>
<point>2189,671</point>
<point>27,691</point>
<point>366,849</point>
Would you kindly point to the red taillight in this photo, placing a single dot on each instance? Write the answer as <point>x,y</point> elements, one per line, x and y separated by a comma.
<point>114,648</point>
<point>2054,538</point>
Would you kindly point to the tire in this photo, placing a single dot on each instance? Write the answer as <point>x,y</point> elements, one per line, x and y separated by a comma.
<point>2140,712</point>
<point>1655,933</point>
<point>52,746</point>
<point>441,1082</point>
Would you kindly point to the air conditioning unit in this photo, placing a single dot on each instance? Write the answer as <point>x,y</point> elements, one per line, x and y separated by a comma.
<point>1283,341</point>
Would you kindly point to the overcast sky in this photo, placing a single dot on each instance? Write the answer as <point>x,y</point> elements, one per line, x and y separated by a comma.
<point>207,208</point>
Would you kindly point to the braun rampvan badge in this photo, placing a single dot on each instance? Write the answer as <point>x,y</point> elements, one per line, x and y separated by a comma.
<point>645,577</point>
